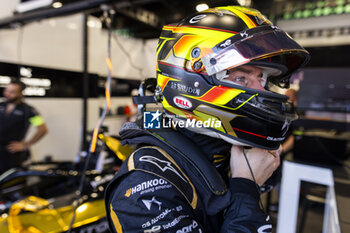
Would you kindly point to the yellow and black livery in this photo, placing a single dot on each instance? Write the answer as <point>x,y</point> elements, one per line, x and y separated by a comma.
<point>193,53</point>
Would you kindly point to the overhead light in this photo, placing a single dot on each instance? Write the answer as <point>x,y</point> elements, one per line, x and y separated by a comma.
<point>26,72</point>
<point>4,80</point>
<point>25,6</point>
<point>245,3</point>
<point>202,7</point>
<point>57,4</point>
<point>94,195</point>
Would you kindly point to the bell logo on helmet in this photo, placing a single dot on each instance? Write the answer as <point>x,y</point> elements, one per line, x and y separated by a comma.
<point>182,102</point>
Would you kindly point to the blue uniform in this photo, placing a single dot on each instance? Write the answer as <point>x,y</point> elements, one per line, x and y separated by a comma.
<point>13,127</point>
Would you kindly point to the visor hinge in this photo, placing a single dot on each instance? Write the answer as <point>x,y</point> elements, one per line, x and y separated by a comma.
<point>158,94</point>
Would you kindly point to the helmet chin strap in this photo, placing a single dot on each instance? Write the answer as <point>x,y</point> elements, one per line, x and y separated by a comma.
<point>217,135</point>
<point>210,133</point>
<point>227,139</point>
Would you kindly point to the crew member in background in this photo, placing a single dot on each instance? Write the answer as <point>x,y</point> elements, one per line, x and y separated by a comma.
<point>15,118</point>
<point>288,144</point>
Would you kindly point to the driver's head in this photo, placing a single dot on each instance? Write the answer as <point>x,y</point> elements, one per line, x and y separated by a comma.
<point>221,64</point>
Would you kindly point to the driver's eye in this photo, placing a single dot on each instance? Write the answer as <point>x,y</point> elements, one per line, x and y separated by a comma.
<point>240,80</point>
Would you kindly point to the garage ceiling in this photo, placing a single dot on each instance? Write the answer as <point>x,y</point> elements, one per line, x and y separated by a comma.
<point>144,19</point>
<point>137,18</point>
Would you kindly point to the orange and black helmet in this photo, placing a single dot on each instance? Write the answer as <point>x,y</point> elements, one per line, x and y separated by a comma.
<point>194,55</point>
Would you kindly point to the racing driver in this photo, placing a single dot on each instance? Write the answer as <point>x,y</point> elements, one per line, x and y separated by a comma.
<point>218,72</point>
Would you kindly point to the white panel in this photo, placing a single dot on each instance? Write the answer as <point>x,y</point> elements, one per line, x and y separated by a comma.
<point>8,7</point>
<point>57,43</point>
<point>141,54</point>
<point>53,43</point>
<point>8,47</point>
<point>150,57</point>
<point>293,174</point>
<point>63,117</point>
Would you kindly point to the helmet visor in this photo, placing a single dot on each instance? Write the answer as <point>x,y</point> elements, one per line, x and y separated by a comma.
<point>253,44</point>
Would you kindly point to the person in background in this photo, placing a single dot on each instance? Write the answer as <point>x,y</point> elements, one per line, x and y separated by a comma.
<point>15,119</point>
<point>293,96</point>
<point>288,144</point>
<point>216,66</point>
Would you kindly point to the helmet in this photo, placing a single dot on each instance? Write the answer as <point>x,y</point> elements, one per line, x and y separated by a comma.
<point>193,58</point>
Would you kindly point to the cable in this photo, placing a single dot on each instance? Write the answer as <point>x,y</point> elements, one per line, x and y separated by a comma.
<point>19,51</point>
<point>256,184</point>
<point>128,56</point>
<point>108,19</point>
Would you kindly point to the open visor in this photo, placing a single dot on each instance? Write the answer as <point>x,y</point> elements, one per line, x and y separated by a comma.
<point>253,44</point>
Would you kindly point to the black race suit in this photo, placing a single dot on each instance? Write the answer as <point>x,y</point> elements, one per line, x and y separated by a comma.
<point>159,189</point>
